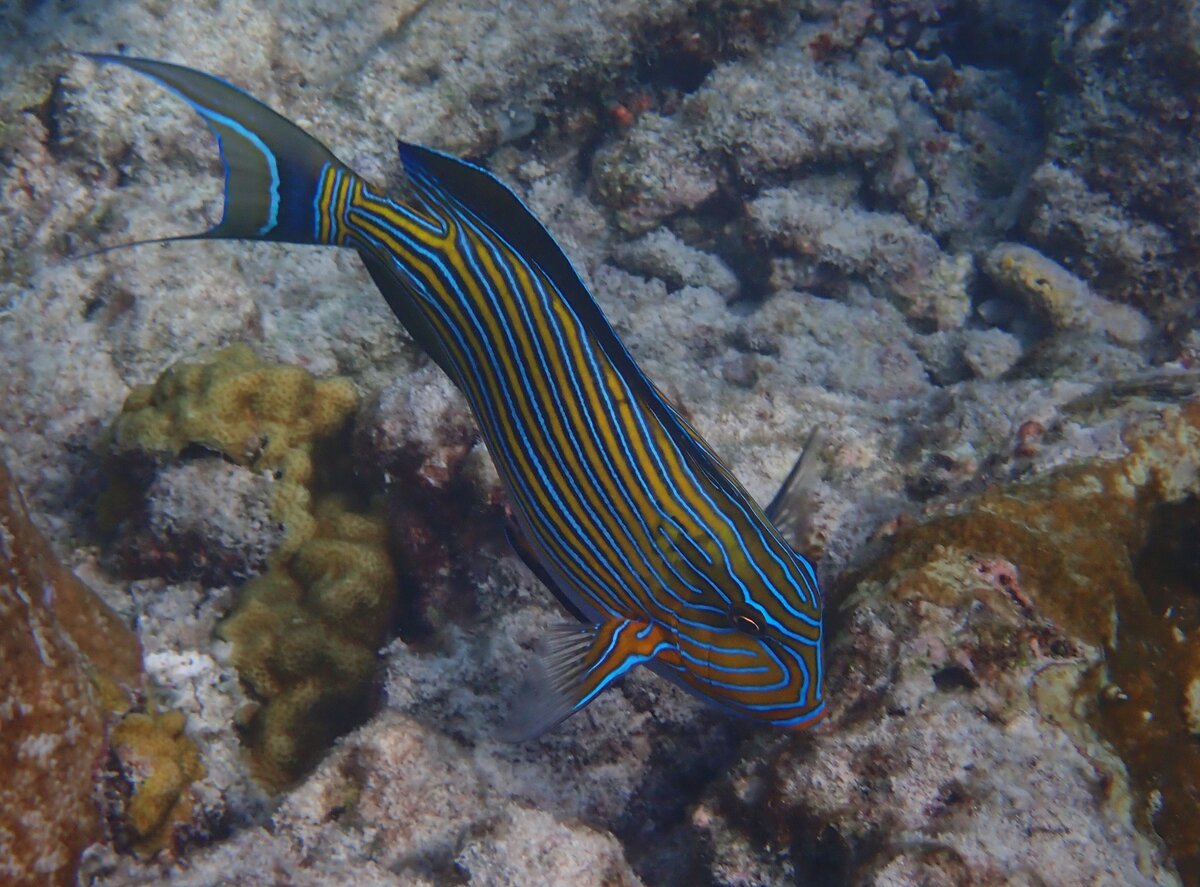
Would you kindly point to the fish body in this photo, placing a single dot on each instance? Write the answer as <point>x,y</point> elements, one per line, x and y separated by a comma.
<point>618,504</point>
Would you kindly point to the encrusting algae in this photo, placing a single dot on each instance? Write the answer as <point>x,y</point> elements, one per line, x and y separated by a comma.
<point>1101,550</point>
<point>70,671</point>
<point>304,634</point>
<point>65,661</point>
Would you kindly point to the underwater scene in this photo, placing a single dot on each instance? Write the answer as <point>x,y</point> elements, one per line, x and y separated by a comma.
<point>600,442</point>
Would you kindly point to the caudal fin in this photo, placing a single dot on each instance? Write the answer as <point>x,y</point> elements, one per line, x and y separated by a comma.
<point>280,182</point>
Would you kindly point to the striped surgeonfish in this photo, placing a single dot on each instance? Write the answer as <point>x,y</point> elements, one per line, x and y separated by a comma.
<point>618,505</point>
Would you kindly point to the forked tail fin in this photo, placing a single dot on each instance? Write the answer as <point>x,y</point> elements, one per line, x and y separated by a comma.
<point>279,180</point>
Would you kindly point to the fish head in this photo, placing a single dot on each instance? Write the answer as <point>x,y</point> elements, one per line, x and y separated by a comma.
<point>748,624</point>
<point>757,669</point>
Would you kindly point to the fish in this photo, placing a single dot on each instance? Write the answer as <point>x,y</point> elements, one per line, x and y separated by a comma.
<point>617,503</point>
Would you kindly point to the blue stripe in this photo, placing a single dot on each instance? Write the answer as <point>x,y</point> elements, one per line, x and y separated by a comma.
<point>258,143</point>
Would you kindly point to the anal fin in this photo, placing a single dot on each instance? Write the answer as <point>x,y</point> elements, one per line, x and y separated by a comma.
<point>575,664</point>
<point>402,301</point>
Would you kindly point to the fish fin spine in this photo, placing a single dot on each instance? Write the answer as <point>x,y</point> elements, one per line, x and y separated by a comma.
<point>789,508</point>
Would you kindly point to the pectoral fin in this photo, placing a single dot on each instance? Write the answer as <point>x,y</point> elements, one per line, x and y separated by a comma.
<point>575,663</point>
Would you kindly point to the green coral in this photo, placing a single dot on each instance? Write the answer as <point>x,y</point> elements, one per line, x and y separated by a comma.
<point>161,763</point>
<point>304,634</point>
<point>266,416</point>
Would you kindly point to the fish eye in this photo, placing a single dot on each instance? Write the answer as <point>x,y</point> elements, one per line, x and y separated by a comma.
<point>744,623</point>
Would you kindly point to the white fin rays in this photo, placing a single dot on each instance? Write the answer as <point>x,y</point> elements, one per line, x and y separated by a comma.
<point>552,690</point>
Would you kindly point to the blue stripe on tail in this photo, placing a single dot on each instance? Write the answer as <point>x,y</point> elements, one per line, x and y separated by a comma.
<point>274,171</point>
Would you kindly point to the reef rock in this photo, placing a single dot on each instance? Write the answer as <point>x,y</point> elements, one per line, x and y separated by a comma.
<point>1119,189</point>
<point>893,256</point>
<point>995,715</point>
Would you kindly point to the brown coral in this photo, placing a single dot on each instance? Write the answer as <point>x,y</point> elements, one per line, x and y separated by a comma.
<point>305,633</point>
<point>65,658</point>
<point>265,416</point>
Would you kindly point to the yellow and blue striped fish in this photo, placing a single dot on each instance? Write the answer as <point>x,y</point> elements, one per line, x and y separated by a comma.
<point>620,507</point>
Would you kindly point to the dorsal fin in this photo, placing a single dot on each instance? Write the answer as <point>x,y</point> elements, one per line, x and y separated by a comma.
<point>786,510</point>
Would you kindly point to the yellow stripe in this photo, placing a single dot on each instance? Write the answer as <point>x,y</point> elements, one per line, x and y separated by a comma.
<point>615,517</point>
<point>546,506</point>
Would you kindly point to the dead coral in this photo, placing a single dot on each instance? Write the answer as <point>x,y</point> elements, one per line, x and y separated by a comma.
<point>1119,192</point>
<point>776,112</point>
<point>893,256</point>
<point>447,496</point>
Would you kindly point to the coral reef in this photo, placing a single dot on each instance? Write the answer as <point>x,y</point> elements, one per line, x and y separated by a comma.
<point>66,662</point>
<point>787,210</point>
<point>304,635</point>
<point>255,413</point>
<point>157,765</point>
